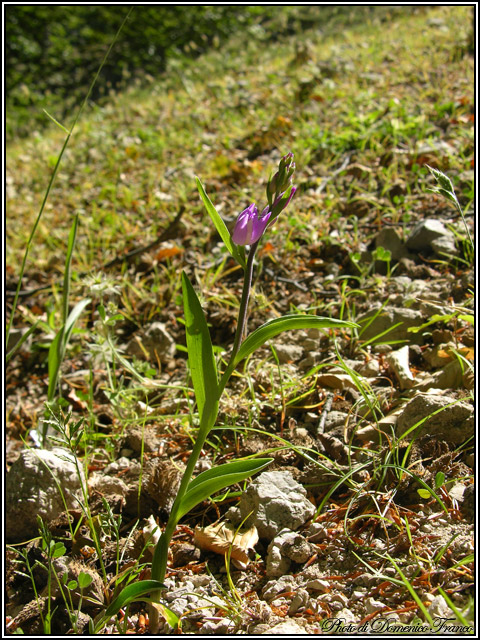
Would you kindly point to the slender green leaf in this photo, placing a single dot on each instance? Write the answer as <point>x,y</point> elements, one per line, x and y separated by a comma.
<point>412,591</point>
<point>56,121</point>
<point>236,251</point>
<point>58,345</point>
<point>54,362</point>
<point>439,555</point>
<point>131,593</point>
<point>200,353</point>
<point>216,479</point>
<point>273,327</point>
<point>467,560</point>
<point>72,236</point>
<point>424,486</point>
<point>72,318</point>
<point>238,466</point>
<point>433,319</point>
<point>380,335</point>
<point>170,616</point>
<point>145,382</point>
<point>459,614</point>
<point>25,337</point>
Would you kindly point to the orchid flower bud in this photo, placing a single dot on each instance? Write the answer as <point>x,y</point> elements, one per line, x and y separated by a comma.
<point>282,179</point>
<point>282,201</point>
<point>250,225</point>
<point>286,160</point>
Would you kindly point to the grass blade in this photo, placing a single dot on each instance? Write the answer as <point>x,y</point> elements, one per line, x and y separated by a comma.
<point>25,337</point>
<point>57,348</point>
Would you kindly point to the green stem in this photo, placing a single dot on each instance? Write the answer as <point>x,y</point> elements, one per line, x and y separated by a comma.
<point>160,556</point>
<point>242,314</point>
<point>207,421</point>
<point>159,564</point>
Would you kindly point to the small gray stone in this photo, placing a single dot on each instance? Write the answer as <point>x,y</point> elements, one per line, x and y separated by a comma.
<point>425,232</point>
<point>383,323</point>
<point>287,546</point>
<point>274,588</point>
<point>444,420</point>
<point>372,605</point>
<point>300,601</point>
<point>287,628</point>
<point>313,358</point>
<point>109,485</point>
<point>398,361</point>
<point>35,484</point>
<point>335,419</point>
<point>277,501</point>
<point>277,564</point>
<point>346,616</point>
<point>318,585</point>
<point>389,239</point>
<point>439,608</point>
<point>444,246</point>
<point>217,627</point>
<point>370,369</point>
<point>288,352</point>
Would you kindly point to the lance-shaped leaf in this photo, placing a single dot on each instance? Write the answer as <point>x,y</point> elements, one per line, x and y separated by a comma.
<point>58,345</point>
<point>131,593</point>
<point>237,252</point>
<point>209,482</point>
<point>273,327</point>
<point>199,346</point>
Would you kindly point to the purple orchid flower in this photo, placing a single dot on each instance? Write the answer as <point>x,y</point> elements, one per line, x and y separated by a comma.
<point>250,225</point>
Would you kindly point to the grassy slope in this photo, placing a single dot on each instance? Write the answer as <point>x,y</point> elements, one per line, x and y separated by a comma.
<point>131,164</point>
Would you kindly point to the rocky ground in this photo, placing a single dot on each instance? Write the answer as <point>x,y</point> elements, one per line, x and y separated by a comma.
<point>335,533</point>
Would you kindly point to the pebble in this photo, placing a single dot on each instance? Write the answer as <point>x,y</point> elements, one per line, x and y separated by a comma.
<point>452,421</point>
<point>372,605</point>
<point>425,232</point>
<point>288,352</point>
<point>300,601</point>
<point>286,628</point>
<point>439,608</point>
<point>318,585</point>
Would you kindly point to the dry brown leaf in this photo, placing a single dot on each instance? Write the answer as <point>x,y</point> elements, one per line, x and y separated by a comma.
<point>219,537</point>
<point>167,252</point>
